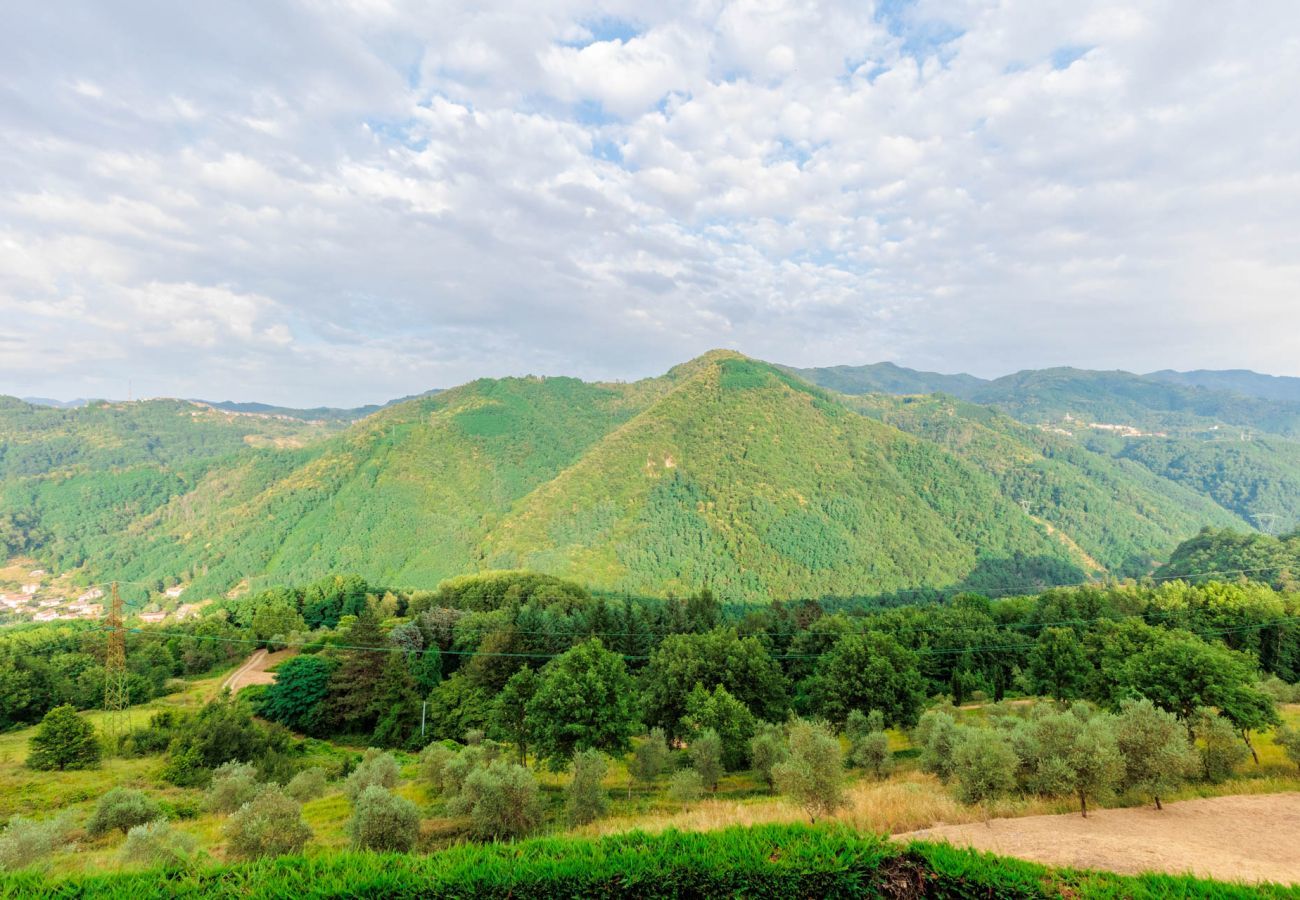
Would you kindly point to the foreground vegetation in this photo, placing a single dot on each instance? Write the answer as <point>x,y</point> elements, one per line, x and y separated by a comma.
<point>771,861</point>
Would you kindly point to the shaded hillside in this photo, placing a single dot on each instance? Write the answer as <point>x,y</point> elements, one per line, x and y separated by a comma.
<point>1230,555</point>
<point>1117,512</point>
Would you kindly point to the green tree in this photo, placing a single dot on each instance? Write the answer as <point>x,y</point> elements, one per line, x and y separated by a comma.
<point>426,668</point>
<point>1057,664</point>
<point>719,657</point>
<point>509,719</point>
<point>649,759</point>
<point>398,705</point>
<point>233,785</point>
<point>813,773</point>
<point>1066,753</point>
<point>268,825</point>
<point>376,769</point>
<point>64,740</point>
<point>384,822</point>
<point>585,797</point>
<point>870,671</point>
<point>1220,748</point>
<point>937,736</point>
<point>767,750</point>
<point>584,700</point>
<point>1153,743</point>
<point>985,765</point>
<point>705,752</point>
<point>296,698</point>
<point>1288,739</point>
<point>727,717</point>
<point>122,809</point>
<point>355,684</point>
<point>501,800</point>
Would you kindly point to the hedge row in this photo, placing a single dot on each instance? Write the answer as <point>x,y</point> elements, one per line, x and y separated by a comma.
<point>779,861</point>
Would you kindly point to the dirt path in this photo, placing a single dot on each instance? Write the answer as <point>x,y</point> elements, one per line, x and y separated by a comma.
<point>254,670</point>
<point>1243,838</point>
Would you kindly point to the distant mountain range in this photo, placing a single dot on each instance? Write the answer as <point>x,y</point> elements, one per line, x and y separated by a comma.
<point>727,471</point>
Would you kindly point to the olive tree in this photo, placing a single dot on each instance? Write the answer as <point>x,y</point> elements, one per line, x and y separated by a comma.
<point>813,773</point>
<point>1153,743</point>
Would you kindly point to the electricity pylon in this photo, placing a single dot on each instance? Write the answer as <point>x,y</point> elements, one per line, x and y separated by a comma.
<point>115,691</point>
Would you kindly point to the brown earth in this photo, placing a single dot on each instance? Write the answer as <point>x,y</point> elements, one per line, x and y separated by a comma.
<point>254,670</point>
<point>1241,838</point>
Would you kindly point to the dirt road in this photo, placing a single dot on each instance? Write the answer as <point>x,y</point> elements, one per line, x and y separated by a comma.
<point>254,670</point>
<point>1243,838</point>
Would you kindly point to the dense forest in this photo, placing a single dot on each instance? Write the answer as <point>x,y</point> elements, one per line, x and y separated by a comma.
<point>724,470</point>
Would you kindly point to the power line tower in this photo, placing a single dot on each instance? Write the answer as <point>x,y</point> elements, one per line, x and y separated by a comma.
<point>115,691</point>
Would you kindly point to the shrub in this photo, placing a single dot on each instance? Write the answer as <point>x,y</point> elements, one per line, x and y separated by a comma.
<point>154,737</point>
<point>871,753</point>
<point>586,800</point>
<point>1221,750</point>
<point>501,800</point>
<point>985,765</point>
<point>814,771</point>
<point>936,735</point>
<point>376,769</point>
<point>1288,739</point>
<point>122,808</point>
<point>158,844</point>
<point>1153,743</point>
<point>306,785</point>
<point>458,768</point>
<point>767,749</point>
<point>233,785</point>
<point>27,841</point>
<point>648,759</point>
<point>64,740</point>
<point>383,821</point>
<point>268,825</point>
<point>433,763</point>
<point>705,752</point>
<point>686,786</point>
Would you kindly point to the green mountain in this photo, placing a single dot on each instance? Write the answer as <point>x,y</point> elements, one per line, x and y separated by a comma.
<point>1203,403</point>
<point>725,470</point>
<point>888,378</point>
<point>1238,381</point>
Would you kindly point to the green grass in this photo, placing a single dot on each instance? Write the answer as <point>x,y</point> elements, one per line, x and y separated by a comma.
<point>768,861</point>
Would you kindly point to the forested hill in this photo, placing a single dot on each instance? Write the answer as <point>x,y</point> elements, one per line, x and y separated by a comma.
<point>725,470</point>
<point>1204,404</point>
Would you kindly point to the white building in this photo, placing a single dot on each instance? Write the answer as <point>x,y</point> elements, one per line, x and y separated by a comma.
<point>30,588</point>
<point>152,617</point>
<point>92,594</point>
<point>174,592</point>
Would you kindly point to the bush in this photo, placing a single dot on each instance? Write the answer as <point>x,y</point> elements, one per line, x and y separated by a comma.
<point>1288,739</point>
<point>648,759</point>
<point>936,735</point>
<point>705,752</point>
<point>1221,750</point>
<point>154,737</point>
<point>814,771</point>
<point>306,785</point>
<point>383,821</point>
<point>158,844</point>
<point>686,786</point>
<point>501,800</point>
<point>27,841</point>
<point>767,749</point>
<point>268,825</point>
<point>585,798</point>
<point>233,785</point>
<point>376,769</point>
<point>459,766</point>
<point>64,740</point>
<point>433,763</point>
<point>985,765</point>
<point>870,752</point>
<point>122,808</point>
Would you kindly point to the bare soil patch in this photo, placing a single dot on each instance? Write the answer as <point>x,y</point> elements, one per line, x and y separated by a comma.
<point>1241,838</point>
<point>254,670</point>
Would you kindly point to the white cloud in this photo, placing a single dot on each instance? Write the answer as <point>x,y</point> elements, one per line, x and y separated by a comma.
<point>400,198</point>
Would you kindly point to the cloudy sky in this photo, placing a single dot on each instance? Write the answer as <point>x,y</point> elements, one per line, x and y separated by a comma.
<point>342,202</point>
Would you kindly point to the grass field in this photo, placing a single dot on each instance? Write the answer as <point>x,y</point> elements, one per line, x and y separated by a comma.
<point>908,800</point>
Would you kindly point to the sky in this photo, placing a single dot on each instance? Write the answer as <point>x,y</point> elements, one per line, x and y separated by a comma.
<point>343,202</point>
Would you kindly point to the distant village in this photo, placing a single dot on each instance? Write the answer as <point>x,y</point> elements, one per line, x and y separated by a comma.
<point>40,599</point>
